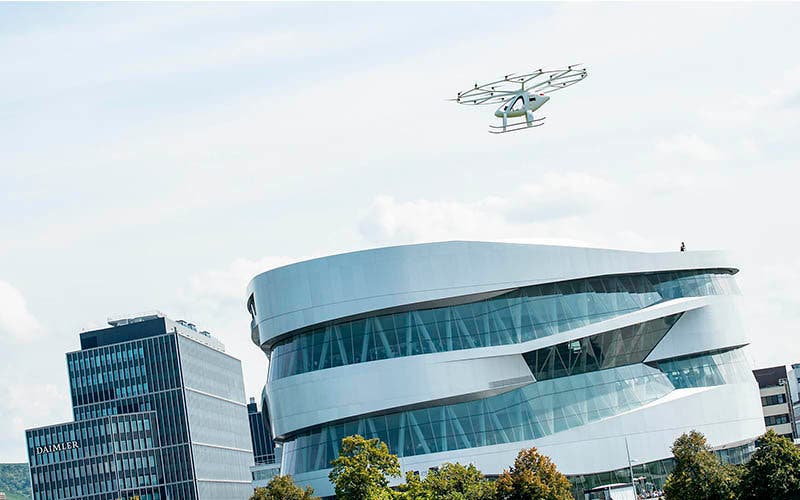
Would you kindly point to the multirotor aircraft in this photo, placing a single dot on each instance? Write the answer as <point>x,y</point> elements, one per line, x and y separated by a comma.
<point>520,95</point>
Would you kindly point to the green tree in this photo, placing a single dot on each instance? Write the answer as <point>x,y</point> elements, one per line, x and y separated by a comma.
<point>773,471</point>
<point>362,469</point>
<point>449,482</point>
<point>414,488</point>
<point>283,488</point>
<point>15,481</point>
<point>533,476</point>
<point>698,473</point>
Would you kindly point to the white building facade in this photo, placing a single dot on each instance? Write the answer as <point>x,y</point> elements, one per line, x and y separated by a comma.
<point>471,351</point>
<point>774,384</point>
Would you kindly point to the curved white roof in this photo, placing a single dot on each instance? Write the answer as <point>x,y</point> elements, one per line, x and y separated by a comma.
<point>315,291</point>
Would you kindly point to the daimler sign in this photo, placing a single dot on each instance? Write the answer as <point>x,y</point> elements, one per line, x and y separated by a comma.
<point>66,445</point>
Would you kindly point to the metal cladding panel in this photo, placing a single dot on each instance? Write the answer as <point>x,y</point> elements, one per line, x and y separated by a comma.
<point>210,371</point>
<point>218,423</point>
<point>329,288</point>
<point>214,490</point>
<point>715,326</point>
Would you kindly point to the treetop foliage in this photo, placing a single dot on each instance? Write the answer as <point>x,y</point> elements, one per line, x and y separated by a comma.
<point>699,474</point>
<point>15,480</point>
<point>283,488</point>
<point>448,482</point>
<point>773,471</point>
<point>362,469</point>
<point>364,466</point>
<point>533,476</point>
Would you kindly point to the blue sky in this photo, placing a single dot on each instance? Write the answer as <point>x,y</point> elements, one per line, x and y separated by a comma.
<point>158,156</point>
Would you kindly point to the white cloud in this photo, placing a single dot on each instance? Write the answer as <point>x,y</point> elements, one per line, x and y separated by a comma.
<point>17,323</point>
<point>219,286</point>
<point>143,46</point>
<point>531,211</point>
<point>752,119</point>
<point>690,146</point>
<point>771,310</point>
<point>27,405</point>
<point>215,301</point>
<point>28,398</point>
<point>559,195</point>
<point>390,221</point>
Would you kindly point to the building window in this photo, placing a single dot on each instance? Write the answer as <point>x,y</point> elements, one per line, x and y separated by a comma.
<point>774,399</point>
<point>517,316</point>
<point>619,347</point>
<point>251,306</point>
<point>776,419</point>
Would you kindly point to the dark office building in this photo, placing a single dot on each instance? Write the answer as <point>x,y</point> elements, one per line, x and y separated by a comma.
<point>263,446</point>
<point>117,456</point>
<point>266,454</point>
<point>159,414</point>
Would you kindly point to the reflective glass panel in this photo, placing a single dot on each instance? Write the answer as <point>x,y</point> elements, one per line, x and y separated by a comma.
<point>517,316</point>
<point>710,369</point>
<point>536,410</point>
<point>619,347</point>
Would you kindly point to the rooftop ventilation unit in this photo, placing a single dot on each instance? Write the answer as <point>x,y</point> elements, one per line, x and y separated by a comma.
<point>122,320</point>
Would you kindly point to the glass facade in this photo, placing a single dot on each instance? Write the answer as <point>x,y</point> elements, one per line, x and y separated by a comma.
<point>141,375</point>
<point>517,316</point>
<point>536,410</point>
<point>217,415</point>
<point>265,474</point>
<point>195,430</point>
<point>654,473</point>
<point>263,446</point>
<point>714,368</point>
<point>620,347</point>
<point>108,458</point>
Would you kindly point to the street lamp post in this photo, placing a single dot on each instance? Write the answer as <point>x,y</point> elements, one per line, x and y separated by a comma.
<point>630,465</point>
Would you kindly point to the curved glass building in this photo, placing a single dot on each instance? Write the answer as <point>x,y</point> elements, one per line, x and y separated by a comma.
<point>470,351</point>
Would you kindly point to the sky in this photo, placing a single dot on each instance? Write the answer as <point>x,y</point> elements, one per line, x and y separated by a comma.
<point>158,156</point>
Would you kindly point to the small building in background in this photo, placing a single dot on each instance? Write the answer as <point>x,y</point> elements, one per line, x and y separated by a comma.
<point>619,491</point>
<point>265,453</point>
<point>776,400</point>
<point>794,391</point>
<point>263,446</point>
